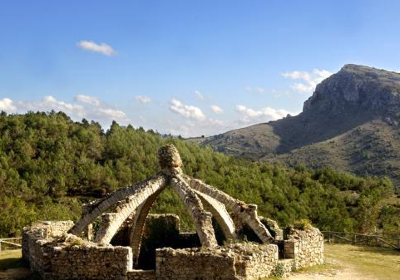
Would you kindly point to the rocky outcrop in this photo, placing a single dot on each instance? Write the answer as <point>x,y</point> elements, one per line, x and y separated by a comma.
<point>358,87</point>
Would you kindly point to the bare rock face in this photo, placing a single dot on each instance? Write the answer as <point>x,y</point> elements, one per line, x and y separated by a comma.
<point>169,158</point>
<point>356,87</point>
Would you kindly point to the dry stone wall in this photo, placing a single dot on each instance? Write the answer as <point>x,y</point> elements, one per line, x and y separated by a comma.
<point>306,247</point>
<point>35,236</point>
<point>89,262</point>
<point>237,261</point>
<point>254,261</point>
<point>141,275</point>
<point>57,255</point>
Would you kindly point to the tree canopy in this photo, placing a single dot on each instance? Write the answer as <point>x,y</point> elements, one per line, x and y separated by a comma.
<point>50,164</point>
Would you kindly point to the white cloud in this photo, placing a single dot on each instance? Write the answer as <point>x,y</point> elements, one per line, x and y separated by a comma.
<point>187,111</point>
<point>49,103</point>
<point>84,107</point>
<point>199,95</point>
<point>255,89</point>
<point>310,79</point>
<point>87,99</point>
<point>191,128</point>
<point>143,99</point>
<point>6,105</point>
<point>216,109</point>
<point>102,48</point>
<point>111,113</point>
<point>265,114</point>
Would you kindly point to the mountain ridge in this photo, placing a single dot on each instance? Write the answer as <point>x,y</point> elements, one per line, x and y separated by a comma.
<point>357,100</point>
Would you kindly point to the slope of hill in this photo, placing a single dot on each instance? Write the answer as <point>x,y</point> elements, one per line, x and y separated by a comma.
<point>49,164</point>
<point>351,123</point>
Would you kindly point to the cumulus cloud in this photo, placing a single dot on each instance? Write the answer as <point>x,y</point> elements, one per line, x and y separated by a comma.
<point>6,105</point>
<point>92,46</point>
<point>216,109</point>
<point>187,111</point>
<point>199,95</point>
<point>191,128</point>
<point>111,113</point>
<point>87,99</point>
<point>49,103</point>
<point>84,106</point>
<point>143,99</point>
<point>309,79</point>
<point>249,115</point>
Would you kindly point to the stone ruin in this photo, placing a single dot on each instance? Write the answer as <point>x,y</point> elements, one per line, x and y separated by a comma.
<point>231,241</point>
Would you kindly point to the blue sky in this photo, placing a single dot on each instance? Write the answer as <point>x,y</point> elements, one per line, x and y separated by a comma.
<point>185,67</point>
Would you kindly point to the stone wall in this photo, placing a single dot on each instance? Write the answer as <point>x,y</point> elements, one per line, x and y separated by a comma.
<point>58,255</point>
<point>253,261</point>
<point>238,261</point>
<point>89,262</point>
<point>306,247</point>
<point>34,237</point>
<point>141,275</point>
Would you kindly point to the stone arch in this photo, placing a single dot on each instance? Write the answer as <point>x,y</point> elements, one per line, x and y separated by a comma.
<point>133,195</point>
<point>220,214</point>
<point>246,212</point>
<point>137,200</point>
<point>201,218</point>
<point>136,234</point>
<point>217,209</point>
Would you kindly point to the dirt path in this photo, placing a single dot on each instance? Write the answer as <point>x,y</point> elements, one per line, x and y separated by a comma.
<point>341,271</point>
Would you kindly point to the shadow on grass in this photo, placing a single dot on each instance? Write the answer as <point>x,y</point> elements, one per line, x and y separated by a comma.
<point>16,268</point>
<point>10,263</point>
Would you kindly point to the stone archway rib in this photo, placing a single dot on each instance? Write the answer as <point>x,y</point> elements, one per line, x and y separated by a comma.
<point>201,218</point>
<point>125,209</point>
<point>134,196</point>
<point>136,234</point>
<point>246,212</point>
<point>220,214</point>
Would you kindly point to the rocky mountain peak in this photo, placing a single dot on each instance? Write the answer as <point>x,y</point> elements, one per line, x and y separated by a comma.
<point>356,87</point>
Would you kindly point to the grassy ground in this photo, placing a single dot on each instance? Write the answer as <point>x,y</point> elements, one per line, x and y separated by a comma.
<point>12,267</point>
<point>372,261</point>
<point>345,261</point>
<point>10,259</point>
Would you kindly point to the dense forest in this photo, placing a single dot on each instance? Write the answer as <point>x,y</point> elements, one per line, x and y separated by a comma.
<point>49,164</point>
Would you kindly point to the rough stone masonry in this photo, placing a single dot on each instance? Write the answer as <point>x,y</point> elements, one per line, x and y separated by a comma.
<point>64,250</point>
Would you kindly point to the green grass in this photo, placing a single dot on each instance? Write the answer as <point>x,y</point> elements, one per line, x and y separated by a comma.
<point>376,262</point>
<point>10,259</point>
<point>13,267</point>
<point>353,262</point>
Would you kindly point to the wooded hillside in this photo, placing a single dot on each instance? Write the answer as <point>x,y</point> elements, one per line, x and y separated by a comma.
<point>49,164</point>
